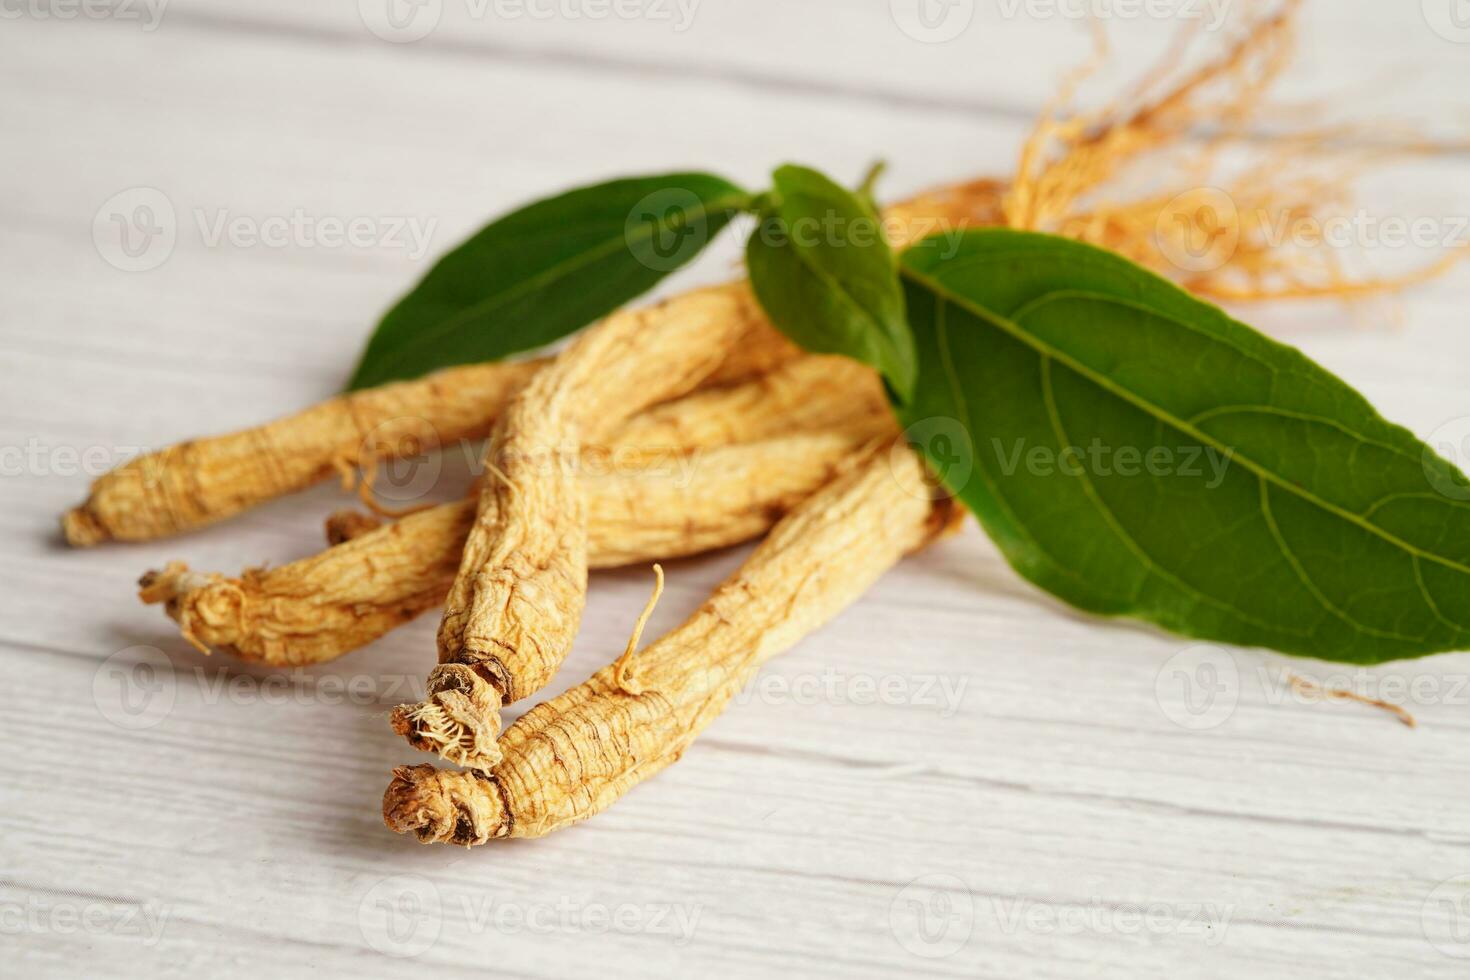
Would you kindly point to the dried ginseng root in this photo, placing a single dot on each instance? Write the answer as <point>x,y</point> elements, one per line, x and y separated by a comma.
<point>196,483</point>
<point>574,755</point>
<point>321,607</point>
<point>202,481</point>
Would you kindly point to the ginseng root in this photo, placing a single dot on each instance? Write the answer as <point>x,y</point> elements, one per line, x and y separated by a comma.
<point>324,606</point>
<point>206,480</point>
<point>202,481</point>
<point>574,755</point>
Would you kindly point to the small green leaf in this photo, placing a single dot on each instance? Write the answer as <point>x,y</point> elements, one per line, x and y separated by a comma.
<point>824,274</point>
<point>547,270</point>
<point>1139,453</point>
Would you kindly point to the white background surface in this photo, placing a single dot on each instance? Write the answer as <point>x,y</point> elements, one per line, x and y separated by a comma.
<point>1030,783</point>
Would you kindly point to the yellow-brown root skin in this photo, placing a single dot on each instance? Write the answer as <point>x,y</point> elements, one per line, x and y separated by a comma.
<point>321,607</point>
<point>806,394</point>
<point>205,480</point>
<point>574,755</point>
<point>439,807</point>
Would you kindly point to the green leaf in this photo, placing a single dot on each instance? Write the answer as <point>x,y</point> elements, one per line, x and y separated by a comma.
<point>547,270</point>
<point>1279,509</point>
<point>824,274</point>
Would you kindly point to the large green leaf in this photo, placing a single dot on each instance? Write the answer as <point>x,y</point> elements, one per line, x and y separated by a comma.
<point>547,270</point>
<point>1278,508</point>
<point>825,276</point>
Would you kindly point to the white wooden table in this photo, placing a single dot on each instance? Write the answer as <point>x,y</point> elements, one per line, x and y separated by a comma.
<point>958,777</point>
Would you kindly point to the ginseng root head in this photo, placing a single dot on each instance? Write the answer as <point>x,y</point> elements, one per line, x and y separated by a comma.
<point>210,609</point>
<point>459,720</point>
<point>444,807</point>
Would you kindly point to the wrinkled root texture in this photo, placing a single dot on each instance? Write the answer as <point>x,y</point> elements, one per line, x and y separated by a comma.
<point>437,806</point>
<point>460,717</point>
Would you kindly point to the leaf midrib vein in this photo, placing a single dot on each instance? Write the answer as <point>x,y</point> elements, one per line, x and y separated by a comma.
<point>1249,409</point>
<point>1048,350</point>
<point>1059,429</point>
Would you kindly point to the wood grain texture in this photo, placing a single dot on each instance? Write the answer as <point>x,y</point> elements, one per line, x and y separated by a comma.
<point>954,752</point>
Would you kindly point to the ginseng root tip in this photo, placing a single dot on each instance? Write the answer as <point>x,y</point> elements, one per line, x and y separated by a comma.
<point>81,528</point>
<point>459,721</point>
<point>443,807</point>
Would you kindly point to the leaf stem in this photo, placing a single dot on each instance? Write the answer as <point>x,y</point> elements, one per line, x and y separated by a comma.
<point>870,179</point>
